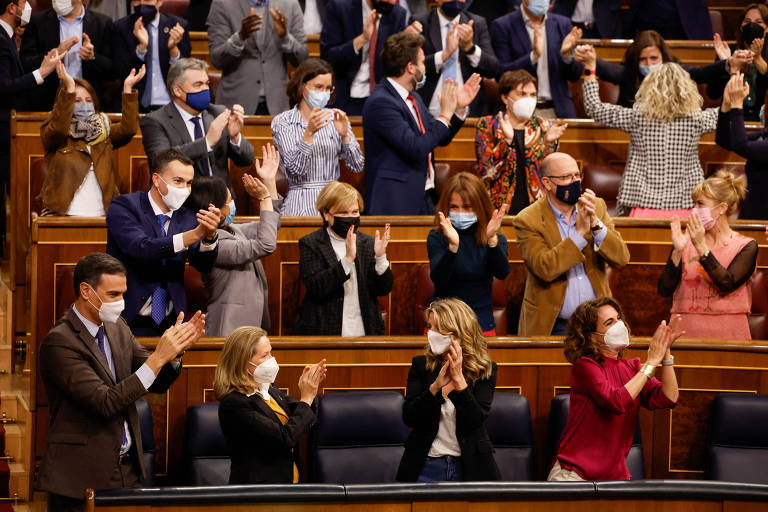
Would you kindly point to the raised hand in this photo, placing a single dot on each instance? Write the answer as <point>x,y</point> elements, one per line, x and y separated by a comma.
<point>380,242</point>
<point>696,231</point>
<point>443,379</point>
<point>494,225</point>
<point>466,94</point>
<point>216,128</point>
<point>309,381</point>
<point>663,338</point>
<point>466,35</point>
<point>585,53</point>
<point>65,77</point>
<point>679,239</point>
<point>448,99</point>
<point>722,50</point>
<point>270,162</point>
<point>249,25</point>
<point>317,121</point>
<point>506,126</point>
<point>87,51</point>
<point>451,42</point>
<point>133,78</point>
<point>50,61</point>
<point>555,131</point>
<point>341,123</point>
<point>538,43</point>
<point>351,244</point>
<point>208,221</point>
<point>455,368</point>
<point>588,204</point>
<point>278,22</point>
<point>174,37</point>
<point>414,28</point>
<point>141,35</point>
<point>449,231</point>
<point>740,60</point>
<point>255,188</point>
<point>67,44</point>
<point>235,122</point>
<point>569,41</point>
<point>737,90</point>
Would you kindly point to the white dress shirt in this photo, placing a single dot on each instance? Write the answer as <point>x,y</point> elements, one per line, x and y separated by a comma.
<point>159,94</point>
<point>11,32</point>
<point>88,199</point>
<point>72,60</point>
<point>313,24</point>
<point>544,92</point>
<point>445,442</point>
<point>583,13</point>
<point>361,85</point>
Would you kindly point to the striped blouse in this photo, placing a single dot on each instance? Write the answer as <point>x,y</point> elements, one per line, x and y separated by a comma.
<point>309,167</point>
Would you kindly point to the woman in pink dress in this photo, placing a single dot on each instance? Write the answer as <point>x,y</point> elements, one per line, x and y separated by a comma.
<point>710,266</point>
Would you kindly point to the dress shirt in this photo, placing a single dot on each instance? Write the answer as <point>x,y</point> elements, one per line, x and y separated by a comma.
<point>352,316</point>
<point>313,24</point>
<point>361,85</point>
<point>88,199</point>
<point>583,12</point>
<point>67,28</point>
<point>542,65</point>
<point>579,288</point>
<point>445,442</point>
<point>159,94</point>
<point>187,118</point>
<point>474,60</point>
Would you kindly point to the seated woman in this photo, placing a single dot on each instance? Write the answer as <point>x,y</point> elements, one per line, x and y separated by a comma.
<point>608,390</point>
<point>511,145</point>
<point>732,135</point>
<point>466,251</point>
<point>665,126</point>
<point>711,264</point>
<point>344,271</point>
<point>449,395</point>
<point>79,140</point>
<point>312,138</point>
<point>237,286</point>
<point>261,424</point>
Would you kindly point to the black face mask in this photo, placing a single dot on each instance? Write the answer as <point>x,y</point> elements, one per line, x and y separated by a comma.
<point>453,8</point>
<point>751,31</point>
<point>147,13</point>
<point>382,7</point>
<point>341,225</point>
<point>569,194</point>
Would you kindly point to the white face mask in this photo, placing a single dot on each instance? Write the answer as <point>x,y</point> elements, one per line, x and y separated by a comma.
<point>266,372</point>
<point>109,312</point>
<point>524,107</point>
<point>26,13</point>
<point>175,196</point>
<point>63,7</point>
<point>438,343</point>
<point>616,337</point>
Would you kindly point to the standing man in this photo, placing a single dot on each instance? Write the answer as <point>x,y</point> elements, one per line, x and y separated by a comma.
<point>94,370</point>
<point>208,134</point>
<point>597,19</point>
<point>154,39</point>
<point>567,241</point>
<point>400,133</point>
<point>153,235</point>
<point>86,38</point>
<point>249,41</point>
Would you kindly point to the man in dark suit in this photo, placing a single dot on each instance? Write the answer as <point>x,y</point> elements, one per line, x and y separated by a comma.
<point>492,9</point>
<point>457,45</point>
<point>400,133</point>
<point>85,35</point>
<point>603,21</point>
<point>540,43</point>
<point>345,42</point>
<point>155,39</point>
<point>208,134</point>
<point>94,370</point>
<point>673,19</point>
<point>154,236</point>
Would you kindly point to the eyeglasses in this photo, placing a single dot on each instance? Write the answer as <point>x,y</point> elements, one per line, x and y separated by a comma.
<point>322,88</point>
<point>567,178</point>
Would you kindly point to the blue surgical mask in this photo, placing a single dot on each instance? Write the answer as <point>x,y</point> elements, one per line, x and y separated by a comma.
<point>462,220</point>
<point>83,110</point>
<point>538,7</point>
<point>199,100</point>
<point>318,99</point>
<point>645,70</point>
<point>229,219</point>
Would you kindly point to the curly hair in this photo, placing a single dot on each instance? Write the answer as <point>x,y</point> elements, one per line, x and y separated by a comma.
<point>454,317</point>
<point>668,92</point>
<point>583,322</point>
<point>723,187</point>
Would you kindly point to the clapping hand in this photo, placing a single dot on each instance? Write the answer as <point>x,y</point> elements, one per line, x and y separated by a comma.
<point>235,122</point>
<point>87,51</point>
<point>466,35</point>
<point>466,94</point>
<point>310,379</point>
<point>679,239</point>
<point>255,188</point>
<point>569,41</point>
<point>455,368</point>
<point>450,232</point>
<point>722,50</point>
<point>663,338</point>
<point>696,231</point>
<point>133,78</point>
<point>350,243</point>
<point>278,22</point>
<point>737,89</point>
<point>494,225</point>
<point>380,242</point>
<point>585,53</point>
<point>451,41</point>
<point>506,126</point>
<point>341,123</point>
<point>270,162</point>
<point>141,35</point>
<point>555,131</point>
<point>250,24</point>
<point>174,37</point>
<point>208,221</point>
<point>65,77</point>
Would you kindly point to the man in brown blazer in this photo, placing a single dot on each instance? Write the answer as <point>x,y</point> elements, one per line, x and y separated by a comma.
<point>567,240</point>
<point>94,370</point>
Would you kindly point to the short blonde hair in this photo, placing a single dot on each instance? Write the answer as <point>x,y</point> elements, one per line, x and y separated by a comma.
<point>232,371</point>
<point>723,187</point>
<point>454,317</point>
<point>337,194</point>
<point>668,92</point>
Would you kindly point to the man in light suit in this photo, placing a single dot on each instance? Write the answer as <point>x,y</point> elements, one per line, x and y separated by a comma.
<point>567,241</point>
<point>249,41</point>
<point>400,133</point>
<point>208,134</point>
<point>154,235</point>
<point>94,370</point>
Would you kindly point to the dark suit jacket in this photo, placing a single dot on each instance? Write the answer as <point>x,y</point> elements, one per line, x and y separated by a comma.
<point>488,66</point>
<point>320,312</point>
<point>694,16</point>
<point>134,237</point>
<point>513,49</point>
<point>125,43</point>
<point>344,22</point>
<point>396,152</point>
<point>261,448</point>
<point>164,128</point>
<point>421,412</point>
<point>88,405</point>
<point>42,35</point>
<point>607,15</point>
<point>492,9</point>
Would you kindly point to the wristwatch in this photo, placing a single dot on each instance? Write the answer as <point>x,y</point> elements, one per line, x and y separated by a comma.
<point>598,226</point>
<point>668,362</point>
<point>209,241</point>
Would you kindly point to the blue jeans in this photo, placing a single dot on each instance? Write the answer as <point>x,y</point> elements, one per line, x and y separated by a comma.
<point>441,469</point>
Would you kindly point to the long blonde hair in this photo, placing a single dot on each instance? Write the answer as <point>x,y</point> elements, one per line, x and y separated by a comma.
<point>454,317</point>
<point>232,371</point>
<point>668,92</point>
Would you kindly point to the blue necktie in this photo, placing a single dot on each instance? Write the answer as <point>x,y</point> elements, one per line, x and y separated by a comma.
<point>160,295</point>
<point>206,168</point>
<point>450,64</point>
<point>100,341</point>
<point>146,96</point>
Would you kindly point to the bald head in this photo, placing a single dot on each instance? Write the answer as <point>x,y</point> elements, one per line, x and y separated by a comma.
<point>558,164</point>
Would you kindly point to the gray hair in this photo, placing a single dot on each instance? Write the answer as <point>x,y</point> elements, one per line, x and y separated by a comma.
<point>176,72</point>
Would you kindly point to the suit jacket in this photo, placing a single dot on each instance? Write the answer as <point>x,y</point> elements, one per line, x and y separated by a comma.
<point>421,412</point>
<point>492,9</point>
<point>548,258</point>
<point>88,405</point>
<point>488,66</point>
<point>238,278</point>
<point>262,448</point>
<point>344,22</point>
<point>134,238</point>
<point>164,128</point>
<point>396,152</point>
<point>607,15</point>
<point>125,43</point>
<point>323,276</point>
<point>694,16</point>
<point>261,61</point>
<point>320,7</point>
<point>513,49</point>
<point>42,35</point>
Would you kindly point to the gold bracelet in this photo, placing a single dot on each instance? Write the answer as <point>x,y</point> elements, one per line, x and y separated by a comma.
<point>648,370</point>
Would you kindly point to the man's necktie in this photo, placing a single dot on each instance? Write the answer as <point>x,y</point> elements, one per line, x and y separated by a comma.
<point>450,64</point>
<point>372,56</point>
<point>160,294</point>
<point>205,165</point>
<point>422,130</point>
<point>146,96</point>
<point>101,341</point>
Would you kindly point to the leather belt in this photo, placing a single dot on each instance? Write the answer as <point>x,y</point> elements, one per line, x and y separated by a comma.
<point>545,104</point>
